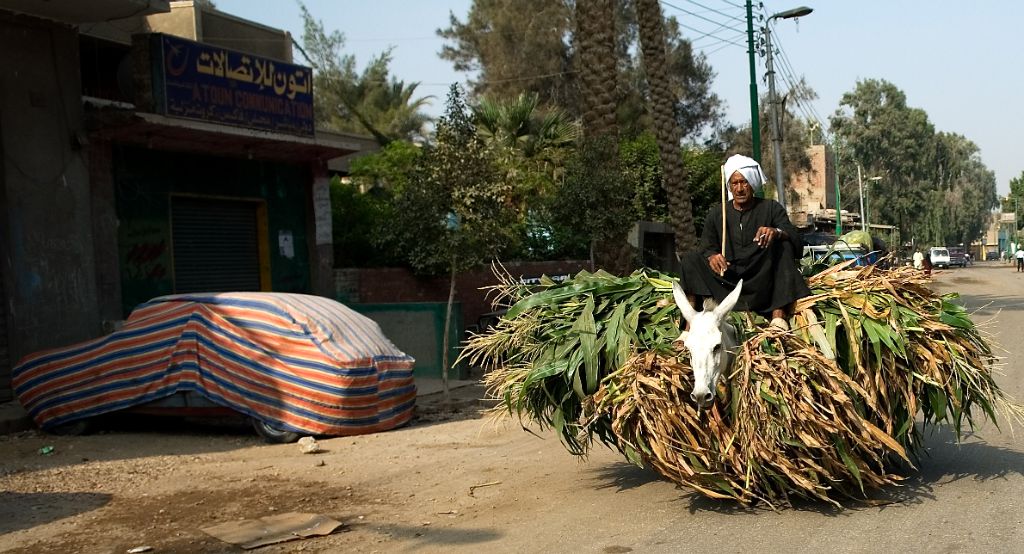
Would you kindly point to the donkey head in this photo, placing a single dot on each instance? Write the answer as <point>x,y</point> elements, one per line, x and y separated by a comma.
<point>711,342</point>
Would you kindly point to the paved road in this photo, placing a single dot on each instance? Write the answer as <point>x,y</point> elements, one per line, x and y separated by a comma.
<point>968,496</point>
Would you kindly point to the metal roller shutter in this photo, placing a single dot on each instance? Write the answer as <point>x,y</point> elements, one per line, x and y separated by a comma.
<point>215,245</point>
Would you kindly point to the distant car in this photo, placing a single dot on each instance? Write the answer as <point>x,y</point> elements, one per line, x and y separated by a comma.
<point>957,256</point>
<point>294,364</point>
<point>832,254</point>
<point>939,257</point>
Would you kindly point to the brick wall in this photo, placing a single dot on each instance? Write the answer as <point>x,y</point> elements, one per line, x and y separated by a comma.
<point>385,285</point>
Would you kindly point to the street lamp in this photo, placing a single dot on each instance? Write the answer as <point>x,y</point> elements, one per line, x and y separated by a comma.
<point>776,117</point>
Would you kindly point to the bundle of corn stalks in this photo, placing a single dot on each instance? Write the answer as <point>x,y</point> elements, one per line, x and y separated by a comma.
<point>824,411</point>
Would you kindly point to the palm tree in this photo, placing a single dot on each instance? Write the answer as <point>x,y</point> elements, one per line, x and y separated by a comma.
<point>530,144</point>
<point>520,125</point>
<point>596,66</point>
<point>387,110</point>
<point>666,127</point>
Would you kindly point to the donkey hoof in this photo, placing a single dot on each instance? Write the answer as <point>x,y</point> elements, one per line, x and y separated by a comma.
<point>780,324</point>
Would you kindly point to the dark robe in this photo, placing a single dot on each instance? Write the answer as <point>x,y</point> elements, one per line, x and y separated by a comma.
<point>771,276</point>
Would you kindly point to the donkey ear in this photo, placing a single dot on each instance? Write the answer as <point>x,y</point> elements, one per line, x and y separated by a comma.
<point>730,301</point>
<point>682,302</point>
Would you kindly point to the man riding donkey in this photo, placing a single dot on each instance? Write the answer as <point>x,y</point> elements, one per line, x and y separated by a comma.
<point>759,249</point>
<point>747,259</point>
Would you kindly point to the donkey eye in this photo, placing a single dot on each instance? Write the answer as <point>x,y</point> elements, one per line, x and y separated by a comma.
<point>718,347</point>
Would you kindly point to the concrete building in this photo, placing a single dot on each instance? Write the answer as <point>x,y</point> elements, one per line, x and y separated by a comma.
<point>149,148</point>
<point>811,192</point>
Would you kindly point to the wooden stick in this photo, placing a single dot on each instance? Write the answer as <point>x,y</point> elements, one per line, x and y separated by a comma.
<point>723,211</point>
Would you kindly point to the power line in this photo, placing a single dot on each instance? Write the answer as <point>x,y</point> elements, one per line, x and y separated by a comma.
<point>787,66</point>
<point>729,16</point>
<point>729,40</point>
<point>711,34</point>
<point>698,16</point>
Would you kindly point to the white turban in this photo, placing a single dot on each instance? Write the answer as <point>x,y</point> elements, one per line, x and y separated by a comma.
<point>748,167</point>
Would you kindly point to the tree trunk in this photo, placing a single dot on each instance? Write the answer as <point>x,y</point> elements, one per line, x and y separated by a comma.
<point>444,342</point>
<point>596,67</point>
<point>666,127</point>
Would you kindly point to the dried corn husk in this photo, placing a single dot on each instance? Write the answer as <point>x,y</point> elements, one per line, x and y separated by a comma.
<point>818,412</point>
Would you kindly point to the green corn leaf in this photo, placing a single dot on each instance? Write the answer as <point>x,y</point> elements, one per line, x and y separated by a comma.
<point>564,292</point>
<point>613,335</point>
<point>844,453</point>
<point>588,337</point>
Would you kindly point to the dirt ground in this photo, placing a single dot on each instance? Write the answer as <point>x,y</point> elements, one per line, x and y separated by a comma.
<point>149,481</point>
<point>457,482</point>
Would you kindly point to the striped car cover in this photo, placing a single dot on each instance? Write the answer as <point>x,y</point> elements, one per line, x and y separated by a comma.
<point>298,362</point>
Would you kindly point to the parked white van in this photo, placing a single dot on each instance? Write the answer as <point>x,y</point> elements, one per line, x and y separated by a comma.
<point>939,257</point>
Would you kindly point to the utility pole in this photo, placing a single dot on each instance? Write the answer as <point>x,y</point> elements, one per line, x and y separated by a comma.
<point>755,112</point>
<point>773,99</point>
<point>839,207</point>
<point>776,118</point>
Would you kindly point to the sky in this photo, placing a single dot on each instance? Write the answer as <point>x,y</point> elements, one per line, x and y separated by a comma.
<point>949,57</point>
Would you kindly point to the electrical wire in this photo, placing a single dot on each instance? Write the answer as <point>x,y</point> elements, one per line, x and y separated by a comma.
<point>698,16</point>
<point>789,74</point>
<point>712,10</point>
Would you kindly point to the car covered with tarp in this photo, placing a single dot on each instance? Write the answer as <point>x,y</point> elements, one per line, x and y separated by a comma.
<point>293,363</point>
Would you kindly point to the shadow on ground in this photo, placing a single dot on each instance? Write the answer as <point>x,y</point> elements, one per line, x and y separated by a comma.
<point>467,402</point>
<point>944,460</point>
<point>24,510</point>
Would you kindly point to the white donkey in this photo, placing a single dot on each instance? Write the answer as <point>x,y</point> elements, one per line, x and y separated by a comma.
<point>711,340</point>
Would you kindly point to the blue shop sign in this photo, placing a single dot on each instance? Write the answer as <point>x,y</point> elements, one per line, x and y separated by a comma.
<point>209,83</point>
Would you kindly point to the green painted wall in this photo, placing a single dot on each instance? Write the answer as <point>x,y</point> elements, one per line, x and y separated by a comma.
<point>417,328</point>
<point>144,181</point>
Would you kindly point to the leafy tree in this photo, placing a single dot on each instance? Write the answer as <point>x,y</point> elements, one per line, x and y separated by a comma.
<point>390,168</point>
<point>933,186</point>
<point>454,212</point>
<point>704,173</point>
<point>530,145</point>
<point>528,46</point>
<point>361,205</point>
<point>1017,186</point>
<point>1013,201</point>
<point>877,130</point>
<point>518,46</point>
<point>371,102</point>
<point>357,218</point>
<point>966,190</point>
<point>520,125</point>
<point>640,164</point>
<point>593,203</point>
